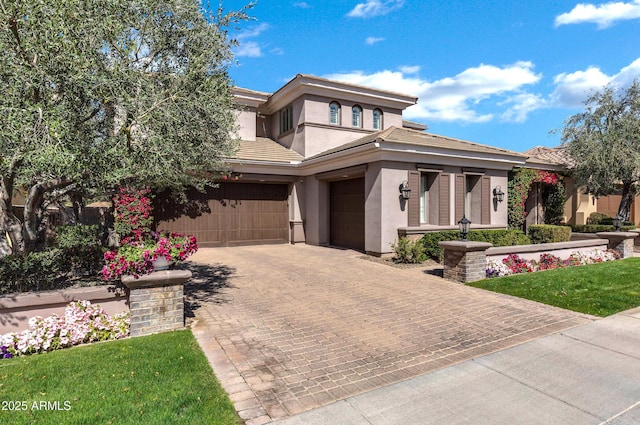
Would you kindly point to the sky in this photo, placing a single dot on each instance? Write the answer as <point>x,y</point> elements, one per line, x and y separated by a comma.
<point>504,73</point>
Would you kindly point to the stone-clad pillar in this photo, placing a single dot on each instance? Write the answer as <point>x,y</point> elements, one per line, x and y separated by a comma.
<point>465,261</point>
<point>156,301</point>
<point>622,242</point>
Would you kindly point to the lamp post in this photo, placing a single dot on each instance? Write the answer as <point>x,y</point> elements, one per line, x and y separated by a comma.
<point>617,222</point>
<point>464,225</point>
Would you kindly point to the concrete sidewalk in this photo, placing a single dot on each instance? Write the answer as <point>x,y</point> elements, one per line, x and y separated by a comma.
<point>589,374</point>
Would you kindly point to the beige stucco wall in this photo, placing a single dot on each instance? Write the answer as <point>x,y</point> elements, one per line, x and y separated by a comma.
<point>578,205</point>
<point>393,210</point>
<point>246,119</point>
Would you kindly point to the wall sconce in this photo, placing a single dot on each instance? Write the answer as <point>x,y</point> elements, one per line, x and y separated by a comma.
<point>404,190</point>
<point>464,224</point>
<point>498,194</point>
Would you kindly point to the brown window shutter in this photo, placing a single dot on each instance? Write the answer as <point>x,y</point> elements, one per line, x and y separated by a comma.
<point>443,200</point>
<point>485,202</point>
<point>460,194</point>
<point>414,201</point>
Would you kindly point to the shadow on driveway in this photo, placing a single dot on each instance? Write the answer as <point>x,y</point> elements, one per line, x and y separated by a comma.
<point>206,286</point>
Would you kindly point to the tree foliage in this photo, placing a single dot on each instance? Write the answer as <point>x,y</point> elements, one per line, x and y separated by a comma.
<point>98,94</point>
<point>604,142</point>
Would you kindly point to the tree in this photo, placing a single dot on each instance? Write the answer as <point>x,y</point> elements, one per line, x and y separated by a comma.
<point>604,143</point>
<point>99,94</point>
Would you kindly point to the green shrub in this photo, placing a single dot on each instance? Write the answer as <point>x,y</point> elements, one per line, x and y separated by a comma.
<point>499,237</point>
<point>545,233</point>
<point>595,228</point>
<point>409,251</point>
<point>82,245</point>
<point>597,218</point>
<point>35,271</point>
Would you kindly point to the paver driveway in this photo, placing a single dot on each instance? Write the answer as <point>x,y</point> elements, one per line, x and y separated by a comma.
<point>291,327</point>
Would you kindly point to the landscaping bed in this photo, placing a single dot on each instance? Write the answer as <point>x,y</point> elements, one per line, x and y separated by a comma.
<point>598,289</point>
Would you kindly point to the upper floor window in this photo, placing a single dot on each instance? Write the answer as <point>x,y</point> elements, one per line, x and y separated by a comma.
<point>356,116</point>
<point>334,113</point>
<point>286,119</point>
<point>377,119</point>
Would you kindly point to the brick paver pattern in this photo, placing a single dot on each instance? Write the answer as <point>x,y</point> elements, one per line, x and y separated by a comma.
<point>301,326</point>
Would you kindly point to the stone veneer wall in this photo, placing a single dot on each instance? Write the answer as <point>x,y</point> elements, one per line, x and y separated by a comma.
<point>465,261</point>
<point>156,301</point>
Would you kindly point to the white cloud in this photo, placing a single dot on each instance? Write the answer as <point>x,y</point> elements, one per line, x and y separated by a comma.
<point>373,8</point>
<point>302,5</point>
<point>572,89</point>
<point>463,97</point>
<point>373,40</point>
<point>250,48</point>
<point>604,15</point>
<point>522,105</point>
<point>410,69</point>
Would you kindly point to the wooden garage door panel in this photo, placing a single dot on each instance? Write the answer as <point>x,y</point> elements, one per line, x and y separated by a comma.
<point>240,213</point>
<point>347,213</point>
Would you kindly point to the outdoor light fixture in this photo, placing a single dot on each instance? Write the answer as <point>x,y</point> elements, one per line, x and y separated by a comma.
<point>498,193</point>
<point>617,222</point>
<point>464,224</point>
<point>404,190</point>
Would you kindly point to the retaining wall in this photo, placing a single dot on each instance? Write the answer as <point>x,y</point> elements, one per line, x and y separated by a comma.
<point>17,309</point>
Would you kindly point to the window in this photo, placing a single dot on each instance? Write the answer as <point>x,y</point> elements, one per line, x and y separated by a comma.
<point>356,116</point>
<point>473,197</point>
<point>429,212</point>
<point>377,119</point>
<point>286,119</point>
<point>334,113</point>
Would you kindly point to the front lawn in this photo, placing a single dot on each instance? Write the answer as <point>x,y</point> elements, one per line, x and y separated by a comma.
<point>598,289</point>
<point>158,379</point>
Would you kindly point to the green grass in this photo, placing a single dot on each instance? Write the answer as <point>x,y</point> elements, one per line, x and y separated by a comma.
<point>158,379</point>
<point>598,289</point>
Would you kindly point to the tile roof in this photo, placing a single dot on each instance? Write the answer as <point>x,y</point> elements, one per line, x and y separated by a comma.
<point>264,149</point>
<point>419,138</point>
<point>557,156</point>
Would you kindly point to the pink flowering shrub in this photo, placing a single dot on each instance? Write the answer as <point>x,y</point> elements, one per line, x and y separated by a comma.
<point>136,257</point>
<point>82,322</point>
<point>514,264</point>
<point>132,214</point>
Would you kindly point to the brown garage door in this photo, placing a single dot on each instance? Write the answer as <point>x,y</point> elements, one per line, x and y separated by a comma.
<point>235,214</point>
<point>347,213</point>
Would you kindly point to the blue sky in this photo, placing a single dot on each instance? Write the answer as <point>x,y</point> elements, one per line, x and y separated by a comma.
<point>497,72</point>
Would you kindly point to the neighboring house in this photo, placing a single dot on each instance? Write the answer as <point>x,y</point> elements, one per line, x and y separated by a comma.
<point>322,162</point>
<point>579,204</point>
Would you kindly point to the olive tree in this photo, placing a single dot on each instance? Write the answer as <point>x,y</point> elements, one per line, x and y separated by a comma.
<point>604,144</point>
<point>99,94</point>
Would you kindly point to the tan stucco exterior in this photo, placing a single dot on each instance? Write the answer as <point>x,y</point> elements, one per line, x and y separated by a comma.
<point>322,152</point>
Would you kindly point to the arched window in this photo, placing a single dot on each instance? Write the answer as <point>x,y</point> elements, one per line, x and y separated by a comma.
<point>334,113</point>
<point>356,116</point>
<point>377,119</point>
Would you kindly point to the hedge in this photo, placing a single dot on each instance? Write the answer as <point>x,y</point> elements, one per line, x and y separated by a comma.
<point>77,251</point>
<point>545,233</point>
<point>595,228</point>
<point>500,237</point>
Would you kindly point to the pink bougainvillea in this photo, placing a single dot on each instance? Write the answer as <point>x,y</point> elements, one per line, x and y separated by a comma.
<point>132,213</point>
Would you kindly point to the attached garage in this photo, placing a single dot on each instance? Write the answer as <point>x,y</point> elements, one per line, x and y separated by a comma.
<point>347,213</point>
<point>233,214</point>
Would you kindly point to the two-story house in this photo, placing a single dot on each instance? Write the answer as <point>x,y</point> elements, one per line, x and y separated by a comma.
<point>325,162</point>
